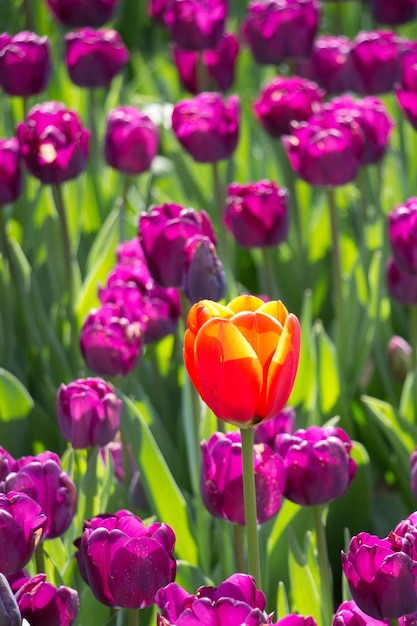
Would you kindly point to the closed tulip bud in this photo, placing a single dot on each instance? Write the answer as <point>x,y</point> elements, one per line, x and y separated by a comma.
<point>218,63</point>
<point>318,464</point>
<point>280,30</point>
<point>53,143</point>
<point>113,545</point>
<point>405,532</point>
<point>382,578</point>
<point>393,12</point>
<point>283,422</point>
<point>234,602</point>
<point>204,276</point>
<point>94,57</point>
<point>349,614</point>
<point>196,24</point>
<point>257,213</point>
<point>131,140</point>
<point>78,13</point>
<point>88,412</point>
<point>329,64</point>
<point>376,62</point>
<point>110,342</point>
<point>260,340</point>
<point>9,610</point>
<point>42,478</point>
<point>160,10</point>
<point>406,91</point>
<point>221,478</point>
<point>207,126</point>
<point>25,64</point>
<point>400,359</point>
<point>285,100</point>
<point>42,603</point>
<point>402,286</point>
<point>22,522</point>
<point>402,233</point>
<point>10,171</point>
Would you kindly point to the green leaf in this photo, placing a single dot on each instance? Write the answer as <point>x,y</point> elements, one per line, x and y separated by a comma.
<point>304,591</point>
<point>15,401</point>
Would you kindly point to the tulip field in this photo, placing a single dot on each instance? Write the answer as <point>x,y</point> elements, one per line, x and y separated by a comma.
<point>208,312</point>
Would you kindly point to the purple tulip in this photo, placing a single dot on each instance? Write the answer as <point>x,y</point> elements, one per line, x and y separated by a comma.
<point>42,478</point>
<point>266,432</point>
<point>131,141</point>
<point>349,614</point>
<point>406,533</point>
<point>326,153</point>
<point>53,143</point>
<point>382,578</point>
<point>257,213</point>
<point>21,526</point>
<point>329,64</point>
<point>376,62</point>
<point>407,90</point>
<point>204,276</point>
<point>280,30</point>
<point>78,13</point>
<point>94,57</point>
<point>318,464</point>
<point>25,64</point>
<point>88,412</point>
<point>413,474</point>
<point>9,610</point>
<point>207,126</point>
<point>41,603</point>
<point>372,119</point>
<point>160,10</point>
<point>402,286</point>
<point>399,354</point>
<point>113,546</point>
<point>393,12</point>
<point>196,24</point>
<point>284,100</point>
<point>221,479</point>
<point>7,464</point>
<point>218,63</point>
<point>110,342</point>
<point>164,232</point>
<point>10,171</point>
<point>402,232</point>
<point>234,602</point>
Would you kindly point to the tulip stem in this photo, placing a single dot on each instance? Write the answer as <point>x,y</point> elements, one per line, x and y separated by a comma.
<point>324,569</point>
<point>40,558</point>
<point>249,492</point>
<point>224,246</point>
<point>336,262</point>
<point>122,208</point>
<point>133,617</point>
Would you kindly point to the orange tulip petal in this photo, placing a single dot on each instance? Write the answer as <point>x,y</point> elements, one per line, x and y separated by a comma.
<point>245,302</point>
<point>189,361</point>
<point>276,309</point>
<point>261,331</point>
<point>229,371</point>
<point>203,311</point>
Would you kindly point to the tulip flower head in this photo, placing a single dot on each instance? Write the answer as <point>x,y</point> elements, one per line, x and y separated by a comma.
<point>25,64</point>
<point>42,603</point>
<point>249,342</point>
<point>77,13</point>
<point>10,170</point>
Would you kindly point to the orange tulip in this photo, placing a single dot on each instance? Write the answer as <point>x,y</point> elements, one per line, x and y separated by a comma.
<point>242,358</point>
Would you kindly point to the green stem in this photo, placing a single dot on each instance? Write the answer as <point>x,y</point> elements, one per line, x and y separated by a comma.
<point>324,568</point>
<point>133,617</point>
<point>225,246</point>
<point>29,15</point>
<point>270,278</point>
<point>40,558</point>
<point>122,208</point>
<point>249,492</point>
<point>394,622</point>
<point>238,540</point>
<point>336,261</point>
<point>66,245</point>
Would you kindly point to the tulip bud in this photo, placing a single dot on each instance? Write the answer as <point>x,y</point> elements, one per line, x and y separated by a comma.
<point>42,603</point>
<point>349,614</point>
<point>25,64</point>
<point>196,24</point>
<point>393,12</point>
<point>10,171</point>
<point>399,354</point>
<point>401,285</point>
<point>204,276</point>
<point>78,13</point>
<point>376,62</point>
<point>402,232</point>
<point>329,64</point>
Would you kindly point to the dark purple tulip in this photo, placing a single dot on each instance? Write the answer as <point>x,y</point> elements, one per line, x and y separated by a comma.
<point>413,475</point>
<point>88,412</point>
<point>376,62</point>
<point>382,578</point>
<point>164,232</point>
<point>257,213</point>
<point>7,465</point>
<point>280,30</point>
<point>204,276</point>
<point>42,478</point>
<point>326,153</point>
<point>393,12</point>
<point>160,10</point>
<point>373,119</point>
<point>285,100</point>
<point>221,479</point>
<point>25,64</point>
<point>53,143</point>
<point>131,141</point>
<point>267,431</point>
<point>41,603</point>
<point>218,63</point>
<point>78,13</point>
<point>407,90</point>
<point>110,342</point>
<point>94,57</point>
<point>9,610</point>
<point>402,232</point>
<point>113,546</point>
<point>207,126</point>
<point>318,464</point>
<point>196,24</point>
<point>349,614</point>
<point>406,533</point>
<point>399,354</point>
<point>329,64</point>
<point>234,602</point>
<point>401,285</point>
<point>21,526</point>
<point>10,171</point>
